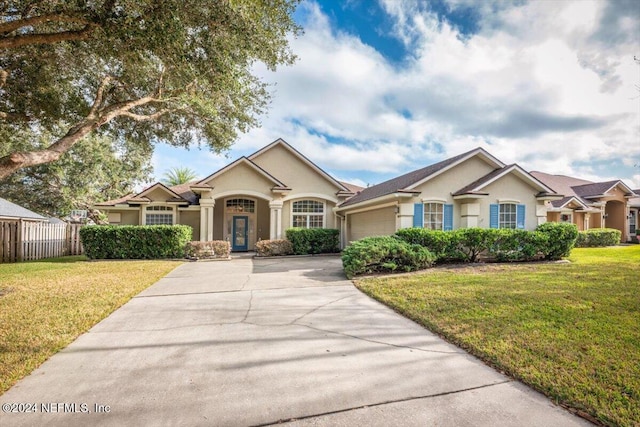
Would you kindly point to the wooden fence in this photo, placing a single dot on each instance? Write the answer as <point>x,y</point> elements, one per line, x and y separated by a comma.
<point>26,241</point>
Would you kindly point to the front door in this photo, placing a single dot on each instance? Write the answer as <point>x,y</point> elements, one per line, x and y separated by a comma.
<point>240,227</point>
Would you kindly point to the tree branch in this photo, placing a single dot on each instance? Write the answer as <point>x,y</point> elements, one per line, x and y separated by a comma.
<point>96,118</point>
<point>9,26</point>
<point>47,38</point>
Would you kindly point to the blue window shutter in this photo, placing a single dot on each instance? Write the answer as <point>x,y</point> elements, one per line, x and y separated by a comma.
<point>448,217</point>
<point>520,211</point>
<point>493,215</point>
<point>418,215</point>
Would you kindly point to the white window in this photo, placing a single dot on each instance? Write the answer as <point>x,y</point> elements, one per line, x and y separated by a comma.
<point>241,206</point>
<point>159,215</point>
<point>434,216</point>
<point>507,215</point>
<point>308,214</point>
<point>565,218</point>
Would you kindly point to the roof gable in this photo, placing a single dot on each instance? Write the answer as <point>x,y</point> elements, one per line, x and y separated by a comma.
<point>282,143</point>
<point>144,194</point>
<point>477,186</point>
<point>599,189</point>
<point>242,161</point>
<point>409,181</point>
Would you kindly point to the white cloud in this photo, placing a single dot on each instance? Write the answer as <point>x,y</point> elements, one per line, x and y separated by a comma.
<point>532,86</point>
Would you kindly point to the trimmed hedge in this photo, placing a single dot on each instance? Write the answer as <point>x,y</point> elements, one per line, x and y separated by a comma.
<point>562,236</point>
<point>274,247</point>
<point>598,237</point>
<point>135,241</point>
<point>443,244</point>
<point>384,254</point>
<point>314,240</point>
<point>208,249</point>
<point>518,245</point>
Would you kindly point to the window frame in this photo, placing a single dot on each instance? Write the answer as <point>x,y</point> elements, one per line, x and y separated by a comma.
<point>308,214</point>
<point>502,215</point>
<point>158,211</point>
<point>427,212</point>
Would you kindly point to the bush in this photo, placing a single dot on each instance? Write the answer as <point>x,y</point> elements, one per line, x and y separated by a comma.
<point>443,244</point>
<point>518,245</point>
<point>314,240</point>
<point>274,247</point>
<point>598,237</point>
<point>208,249</point>
<point>474,241</point>
<point>561,238</point>
<point>384,254</point>
<point>135,241</point>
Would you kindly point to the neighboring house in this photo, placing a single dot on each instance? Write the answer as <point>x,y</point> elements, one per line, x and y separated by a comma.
<point>254,198</point>
<point>260,196</point>
<point>588,204</point>
<point>11,212</point>
<point>473,189</point>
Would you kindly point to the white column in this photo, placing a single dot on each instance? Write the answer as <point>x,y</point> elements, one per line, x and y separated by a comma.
<point>275,223</point>
<point>206,219</point>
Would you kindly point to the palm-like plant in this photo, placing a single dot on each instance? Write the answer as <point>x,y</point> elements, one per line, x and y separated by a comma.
<point>179,175</point>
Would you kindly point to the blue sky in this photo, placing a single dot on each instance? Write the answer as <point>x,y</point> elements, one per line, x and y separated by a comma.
<point>384,87</point>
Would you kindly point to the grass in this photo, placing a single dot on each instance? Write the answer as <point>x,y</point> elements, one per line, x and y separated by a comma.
<point>571,331</point>
<point>45,305</point>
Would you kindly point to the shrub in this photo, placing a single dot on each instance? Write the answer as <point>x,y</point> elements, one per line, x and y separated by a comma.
<point>135,241</point>
<point>474,241</point>
<point>598,237</point>
<point>518,245</point>
<point>274,247</point>
<point>443,244</point>
<point>314,240</point>
<point>384,254</point>
<point>208,249</point>
<point>561,238</point>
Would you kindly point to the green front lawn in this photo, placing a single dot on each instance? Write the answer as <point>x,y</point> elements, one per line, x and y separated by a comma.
<point>571,331</point>
<point>45,305</point>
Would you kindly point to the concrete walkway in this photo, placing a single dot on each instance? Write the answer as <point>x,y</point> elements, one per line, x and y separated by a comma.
<point>257,342</point>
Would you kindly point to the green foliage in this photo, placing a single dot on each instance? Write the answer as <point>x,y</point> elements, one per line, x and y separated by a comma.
<point>176,71</point>
<point>518,245</point>
<point>562,236</point>
<point>443,244</point>
<point>474,241</point>
<point>314,240</point>
<point>384,254</point>
<point>274,247</point>
<point>135,241</point>
<point>97,168</point>
<point>179,175</point>
<point>598,237</point>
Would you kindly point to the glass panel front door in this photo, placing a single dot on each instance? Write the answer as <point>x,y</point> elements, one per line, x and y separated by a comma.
<point>239,240</point>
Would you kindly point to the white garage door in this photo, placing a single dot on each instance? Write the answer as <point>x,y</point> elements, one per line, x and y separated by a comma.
<point>378,222</point>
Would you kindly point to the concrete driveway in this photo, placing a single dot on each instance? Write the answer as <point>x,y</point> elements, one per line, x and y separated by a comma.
<point>258,342</point>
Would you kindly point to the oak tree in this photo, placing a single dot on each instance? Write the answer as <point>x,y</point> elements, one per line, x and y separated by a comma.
<point>177,71</point>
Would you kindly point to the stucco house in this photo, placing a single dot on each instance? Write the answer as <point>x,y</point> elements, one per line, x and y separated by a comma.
<point>254,198</point>
<point>259,196</point>
<point>473,189</point>
<point>610,204</point>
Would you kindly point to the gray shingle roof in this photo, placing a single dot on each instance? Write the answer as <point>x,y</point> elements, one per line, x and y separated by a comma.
<point>401,182</point>
<point>11,210</point>
<point>595,189</point>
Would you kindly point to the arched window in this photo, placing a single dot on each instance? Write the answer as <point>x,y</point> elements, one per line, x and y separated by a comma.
<point>159,215</point>
<point>308,214</point>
